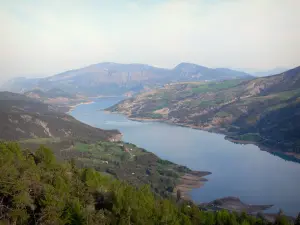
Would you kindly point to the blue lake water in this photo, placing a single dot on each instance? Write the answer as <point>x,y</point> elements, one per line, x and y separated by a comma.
<point>244,171</point>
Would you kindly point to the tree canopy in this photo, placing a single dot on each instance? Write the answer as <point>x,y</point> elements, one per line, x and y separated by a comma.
<point>36,189</point>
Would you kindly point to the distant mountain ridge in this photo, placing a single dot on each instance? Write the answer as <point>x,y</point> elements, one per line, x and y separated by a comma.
<point>262,73</point>
<point>110,78</point>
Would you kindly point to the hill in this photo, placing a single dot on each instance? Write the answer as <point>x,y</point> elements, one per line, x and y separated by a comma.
<point>57,97</point>
<point>194,72</point>
<point>22,117</point>
<point>263,110</point>
<point>19,84</point>
<point>118,79</point>
<point>51,93</point>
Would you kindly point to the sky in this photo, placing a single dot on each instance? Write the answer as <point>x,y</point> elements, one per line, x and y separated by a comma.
<point>42,38</point>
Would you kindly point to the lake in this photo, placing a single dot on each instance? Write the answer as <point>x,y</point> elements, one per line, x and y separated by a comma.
<point>244,171</point>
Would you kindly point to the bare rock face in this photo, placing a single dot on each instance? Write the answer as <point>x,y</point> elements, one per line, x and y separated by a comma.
<point>115,138</point>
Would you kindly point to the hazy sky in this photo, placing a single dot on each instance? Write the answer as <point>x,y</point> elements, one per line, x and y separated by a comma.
<point>46,37</point>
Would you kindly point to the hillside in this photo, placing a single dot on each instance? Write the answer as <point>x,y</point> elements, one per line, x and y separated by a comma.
<point>48,94</point>
<point>22,117</point>
<point>57,97</point>
<point>265,110</point>
<point>118,79</point>
<point>36,189</point>
<point>33,123</point>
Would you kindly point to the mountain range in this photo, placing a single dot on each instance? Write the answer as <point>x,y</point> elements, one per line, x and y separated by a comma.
<point>263,73</point>
<point>110,78</point>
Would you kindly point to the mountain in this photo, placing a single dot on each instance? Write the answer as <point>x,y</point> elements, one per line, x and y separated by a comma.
<point>263,73</point>
<point>264,110</point>
<point>191,72</point>
<point>19,84</point>
<point>117,79</point>
<point>23,118</point>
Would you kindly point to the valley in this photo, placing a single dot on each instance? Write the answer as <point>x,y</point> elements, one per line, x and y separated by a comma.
<point>234,107</point>
<point>166,112</point>
<point>33,123</point>
<point>244,171</point>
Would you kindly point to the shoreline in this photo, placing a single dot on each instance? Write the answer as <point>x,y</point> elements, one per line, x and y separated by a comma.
<point>106,96</point>
<point>194,179</point>
<point>263,148</point>
<point>211,130</point>
<point>72,107</point>
<point>190,181</point>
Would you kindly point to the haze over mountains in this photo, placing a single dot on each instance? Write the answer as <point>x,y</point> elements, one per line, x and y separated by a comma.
<point>262,73</point>
<point>116,79</point>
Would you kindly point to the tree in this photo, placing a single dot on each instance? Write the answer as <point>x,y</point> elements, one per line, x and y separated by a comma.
<point>44,155</point>
<point>35,189</point>
<point>178,194</point>
<point>281,219</point>
<point>297,221</point>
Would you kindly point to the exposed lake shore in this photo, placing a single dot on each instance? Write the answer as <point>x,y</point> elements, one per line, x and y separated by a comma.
<point>189,181</point>
<point>72,107</point>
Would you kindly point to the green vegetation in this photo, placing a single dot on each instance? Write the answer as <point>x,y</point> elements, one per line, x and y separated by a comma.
<point>35,189</point>
<point>40,141</point>
<point>154,116</point>
<point>215,86</point>
<point>125,161</point>
<point>251,137</point>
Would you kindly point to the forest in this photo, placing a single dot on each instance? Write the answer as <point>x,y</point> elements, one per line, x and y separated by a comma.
<point>35,188</point>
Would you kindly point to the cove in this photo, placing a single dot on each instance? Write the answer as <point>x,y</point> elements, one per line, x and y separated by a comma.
<point>244,171</point>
